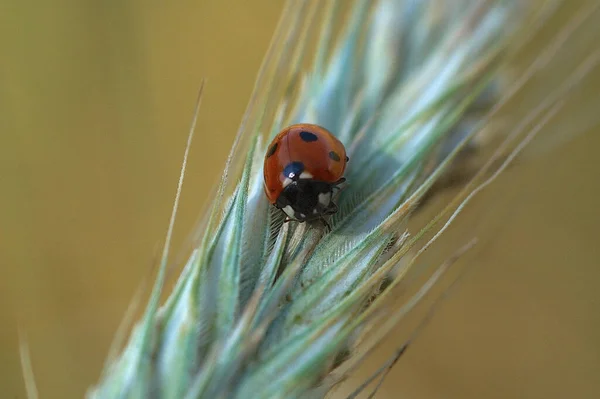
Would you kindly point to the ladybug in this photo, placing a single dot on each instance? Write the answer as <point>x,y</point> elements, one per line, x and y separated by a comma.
<point>303,165</point>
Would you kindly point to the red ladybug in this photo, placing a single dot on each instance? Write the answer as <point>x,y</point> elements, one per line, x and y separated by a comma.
<point>303,165</point>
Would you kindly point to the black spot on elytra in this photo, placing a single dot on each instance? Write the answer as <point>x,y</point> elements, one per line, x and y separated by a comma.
<point>293,170</point>
<point>334,155</point>
<point>272,150</point>
<point>308,136</point>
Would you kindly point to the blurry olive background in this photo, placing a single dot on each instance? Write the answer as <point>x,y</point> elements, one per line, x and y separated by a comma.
<point>95,102</point>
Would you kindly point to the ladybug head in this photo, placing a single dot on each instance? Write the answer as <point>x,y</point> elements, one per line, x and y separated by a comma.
<point>306,199</point>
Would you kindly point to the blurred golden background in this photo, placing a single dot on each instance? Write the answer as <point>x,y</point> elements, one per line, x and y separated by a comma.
<point>95,104</point>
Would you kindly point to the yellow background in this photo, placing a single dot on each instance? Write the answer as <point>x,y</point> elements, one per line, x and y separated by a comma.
<point>95,103</point>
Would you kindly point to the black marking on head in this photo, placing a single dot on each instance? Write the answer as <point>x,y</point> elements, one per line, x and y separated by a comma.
<point>303,197</point>
<point>272,150</point>
<point>334,155</point>
<point>308,136</point>
<point>293,170</point>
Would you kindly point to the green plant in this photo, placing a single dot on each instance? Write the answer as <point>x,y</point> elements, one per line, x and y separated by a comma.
<point>264,309</point>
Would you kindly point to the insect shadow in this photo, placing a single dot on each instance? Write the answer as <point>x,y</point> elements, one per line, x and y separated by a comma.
<point>366,198</point>
<point>374,189</point>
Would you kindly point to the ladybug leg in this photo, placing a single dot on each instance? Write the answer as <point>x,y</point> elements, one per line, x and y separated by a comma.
<point>331,209</point>
<point>336,185</point>
<point>325,223</point>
